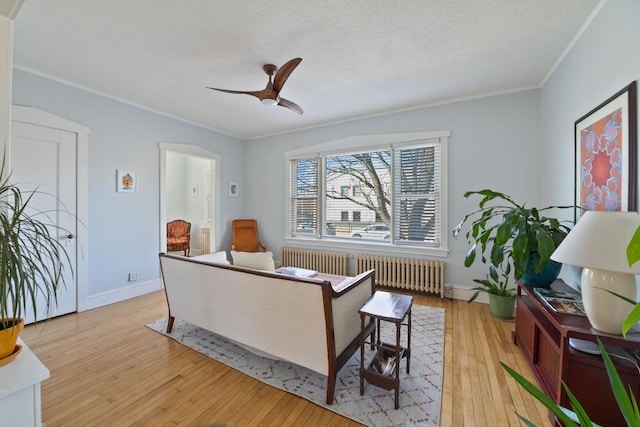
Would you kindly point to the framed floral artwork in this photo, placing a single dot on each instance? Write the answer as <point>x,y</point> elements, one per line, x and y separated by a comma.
<point>606,155</point>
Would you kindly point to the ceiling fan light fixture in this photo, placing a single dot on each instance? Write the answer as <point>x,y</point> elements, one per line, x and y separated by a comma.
<point>269,101</point>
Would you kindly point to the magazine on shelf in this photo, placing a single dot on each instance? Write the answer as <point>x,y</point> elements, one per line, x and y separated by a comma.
<point>552,293</point>
<point>383,363</point>
<point>296,271</point>
<point>561,301</point>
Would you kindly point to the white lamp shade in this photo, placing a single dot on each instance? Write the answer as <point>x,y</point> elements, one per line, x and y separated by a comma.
<point>599,240</point>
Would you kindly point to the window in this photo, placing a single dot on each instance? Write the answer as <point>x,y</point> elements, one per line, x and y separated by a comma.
<point>394,191</point>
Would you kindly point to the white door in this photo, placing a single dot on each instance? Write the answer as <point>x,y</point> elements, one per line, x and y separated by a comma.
<point>45,158</point>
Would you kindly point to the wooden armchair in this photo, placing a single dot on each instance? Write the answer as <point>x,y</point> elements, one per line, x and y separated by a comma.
<point>244,234</point>
<point>179,236</point>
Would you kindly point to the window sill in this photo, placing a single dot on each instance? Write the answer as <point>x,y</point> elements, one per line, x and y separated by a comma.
<point>337,244</point>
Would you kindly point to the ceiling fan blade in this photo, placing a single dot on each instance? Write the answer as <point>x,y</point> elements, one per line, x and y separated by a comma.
<point>257,93</point>
<point>284,72</point>
<point>290,105</point>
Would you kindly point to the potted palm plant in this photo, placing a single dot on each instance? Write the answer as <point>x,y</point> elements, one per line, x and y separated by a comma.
<point>504,231</point>
<point>32,261</point>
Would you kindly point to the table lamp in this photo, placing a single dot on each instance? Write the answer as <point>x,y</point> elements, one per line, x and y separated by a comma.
<point>598,243</point>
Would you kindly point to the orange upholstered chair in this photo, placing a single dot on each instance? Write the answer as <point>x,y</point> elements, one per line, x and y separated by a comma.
<point>179,236</point>
<point>244,234</point>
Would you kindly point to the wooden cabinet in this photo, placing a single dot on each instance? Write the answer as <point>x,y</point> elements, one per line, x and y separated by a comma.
<point>544,337</point>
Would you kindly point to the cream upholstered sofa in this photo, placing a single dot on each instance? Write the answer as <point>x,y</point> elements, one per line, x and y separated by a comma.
<point>306,321</point>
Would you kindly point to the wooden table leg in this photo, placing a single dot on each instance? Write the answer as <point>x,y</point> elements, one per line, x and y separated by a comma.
<point>409,342</point>
<point>362,316</point>
<point>398,359</point>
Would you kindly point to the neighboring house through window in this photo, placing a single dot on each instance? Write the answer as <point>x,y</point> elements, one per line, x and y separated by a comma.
<point>393,185</point>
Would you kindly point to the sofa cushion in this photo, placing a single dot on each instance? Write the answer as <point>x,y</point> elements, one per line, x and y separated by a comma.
<point>255,260</point>
<point>215,258</point>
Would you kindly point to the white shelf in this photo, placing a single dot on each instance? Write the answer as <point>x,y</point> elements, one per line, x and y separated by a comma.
<point>20,389</point>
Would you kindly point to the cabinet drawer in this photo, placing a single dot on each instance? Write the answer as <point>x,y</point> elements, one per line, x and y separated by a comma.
<point>548,363</point>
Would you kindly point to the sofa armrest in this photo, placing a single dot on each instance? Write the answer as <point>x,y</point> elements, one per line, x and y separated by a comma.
<point>349,283</point>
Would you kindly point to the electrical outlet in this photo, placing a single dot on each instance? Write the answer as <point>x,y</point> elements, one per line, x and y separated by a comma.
<point>133,277</point>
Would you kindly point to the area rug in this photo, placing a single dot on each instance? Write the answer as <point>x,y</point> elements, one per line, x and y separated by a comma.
<point>420,391</point>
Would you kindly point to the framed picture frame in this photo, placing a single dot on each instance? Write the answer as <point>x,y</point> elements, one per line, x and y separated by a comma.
<point>126,181</point>
<point>606,155</point>
<point>233,189</point>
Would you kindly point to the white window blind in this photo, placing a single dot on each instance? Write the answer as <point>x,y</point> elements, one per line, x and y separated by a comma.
<point>417,194</point>
<point>305,195</point>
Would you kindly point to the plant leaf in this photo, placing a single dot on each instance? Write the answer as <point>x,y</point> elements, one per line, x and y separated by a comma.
<point>540,396</point>
<point>633,249</point>
<point>470,257</point>
<point>630,321</point>
<point>546,246</point>
<point>627,407</point>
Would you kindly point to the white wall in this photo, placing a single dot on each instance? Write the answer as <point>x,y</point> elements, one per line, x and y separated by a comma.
<point>494,143</point>
<point>176,183</point>
<point>6,64</point>
<point>605,59</point>
<point>124,229</point>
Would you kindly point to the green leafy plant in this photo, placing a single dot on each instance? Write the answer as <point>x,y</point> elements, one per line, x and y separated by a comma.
<point>510,232</point>
<point>32,259</point>
<point>633,256</point>
<point>496,283</point>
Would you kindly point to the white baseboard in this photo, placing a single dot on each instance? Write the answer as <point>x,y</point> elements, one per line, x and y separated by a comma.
<point>464,293</point>
<point>124,293</point>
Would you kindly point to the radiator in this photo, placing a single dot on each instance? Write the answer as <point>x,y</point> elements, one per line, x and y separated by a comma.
<point>205,240</point>
<point>404,273</point>
<point>322,261</point>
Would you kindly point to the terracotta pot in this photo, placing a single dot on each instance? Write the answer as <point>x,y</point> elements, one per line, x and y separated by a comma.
<point>9,336</point>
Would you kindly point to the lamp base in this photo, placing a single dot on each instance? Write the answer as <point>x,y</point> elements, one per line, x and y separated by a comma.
<point>605,311</point>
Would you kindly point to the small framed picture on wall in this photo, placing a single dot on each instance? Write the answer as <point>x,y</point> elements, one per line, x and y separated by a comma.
<point>126,181</point>
<point>233,189</point>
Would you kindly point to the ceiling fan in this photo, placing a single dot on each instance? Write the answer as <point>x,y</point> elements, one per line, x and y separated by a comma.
<point>270,95</point>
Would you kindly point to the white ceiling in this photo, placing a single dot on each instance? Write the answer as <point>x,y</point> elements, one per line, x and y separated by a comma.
<point>360,57</point>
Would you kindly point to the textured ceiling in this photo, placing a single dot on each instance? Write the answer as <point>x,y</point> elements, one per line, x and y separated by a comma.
<point>360,57</point>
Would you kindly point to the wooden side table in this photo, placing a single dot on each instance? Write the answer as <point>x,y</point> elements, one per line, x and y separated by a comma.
<point>384,368</point>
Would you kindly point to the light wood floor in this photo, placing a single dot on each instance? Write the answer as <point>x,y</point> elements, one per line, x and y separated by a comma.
<point>108,369</point>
